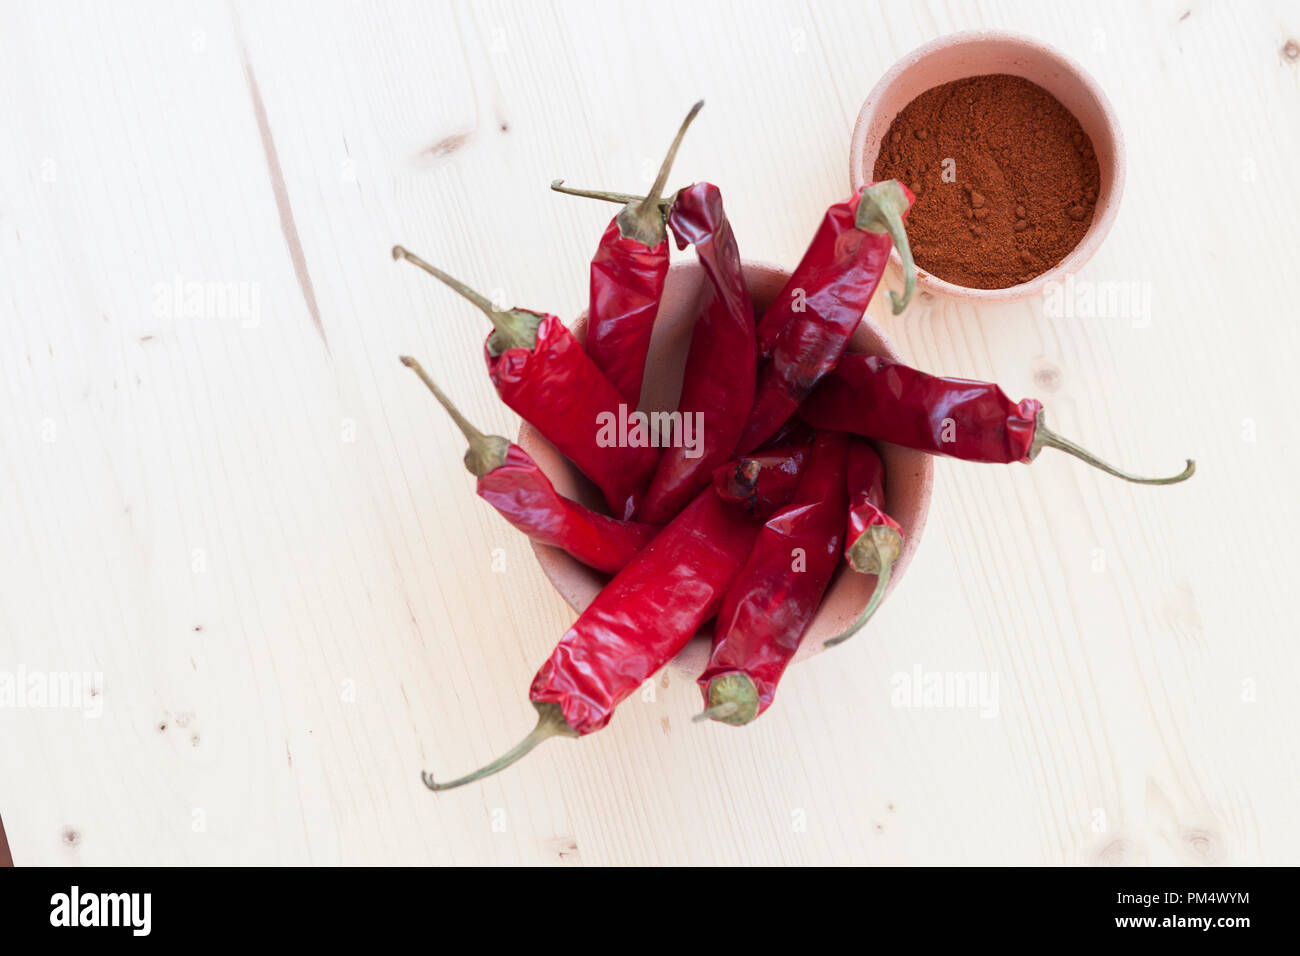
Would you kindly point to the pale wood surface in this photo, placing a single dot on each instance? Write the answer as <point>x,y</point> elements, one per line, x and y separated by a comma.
<point>262,536</point>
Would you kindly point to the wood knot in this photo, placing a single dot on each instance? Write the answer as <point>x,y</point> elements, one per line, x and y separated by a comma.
<point>565,848</point>
<point>1291,51</point>
<point>1115,853</point>
<point>439,151</point>
<point>1048,378</point>
<point>1203,846</point>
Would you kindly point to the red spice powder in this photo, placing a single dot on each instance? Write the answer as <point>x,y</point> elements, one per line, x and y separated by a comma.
<point>1005,179</point>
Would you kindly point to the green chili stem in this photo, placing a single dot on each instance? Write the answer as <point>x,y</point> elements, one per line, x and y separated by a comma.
<point>1044,437</point>
<point>881,209</point>
<point>550,723</point>
<point>468,430</point>
<point>878,595</point>
<point>604,195</point>
<point>486,452</point>
<point>642,220</point>
<point>480,300</point>
<point>717,713</point>
<point>661,180</point>
<point>512,328</point>
<point>733,699</point>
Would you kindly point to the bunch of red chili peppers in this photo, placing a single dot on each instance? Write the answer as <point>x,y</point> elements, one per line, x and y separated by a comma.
<point>746,526</point>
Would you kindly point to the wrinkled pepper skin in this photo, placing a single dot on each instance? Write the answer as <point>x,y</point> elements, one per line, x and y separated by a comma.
<point>764,481</point>
<point>647,613</point>
<point>807,327</point>
<point>865,482</point>
<point>878,398</point>
<point>557,389</point>
<point>719,379</point>
<point>627,282</point>
<point>768,608</point>
<point>796,431</point>
<point>525,497</point>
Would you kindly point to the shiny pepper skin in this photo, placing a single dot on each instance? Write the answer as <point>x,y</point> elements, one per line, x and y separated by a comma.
<point>807,327</point>
<point>718,384</point>
<point>557,389</point>
<point>647,613</point>
<point>886,400</point>
<point>627,282</point>
<point>525,497</point>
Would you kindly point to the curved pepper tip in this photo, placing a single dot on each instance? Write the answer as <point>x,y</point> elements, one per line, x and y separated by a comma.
<point>875,552</point>
<point>550,723</point>
<point>1044,437</point>
<point>643,220</point>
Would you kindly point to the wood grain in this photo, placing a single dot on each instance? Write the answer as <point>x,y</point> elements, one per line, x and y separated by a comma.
<point>238,509</point>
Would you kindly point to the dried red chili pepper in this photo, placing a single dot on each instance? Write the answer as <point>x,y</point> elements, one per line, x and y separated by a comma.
<point>718,383</point>
<point>975,421</point>
<point>637,623</point>
<point>807,327</point>
<point>510,481</point>
<point>874,540</point>
<point>541,372</point>
<point>763,482</point>
<point>627,280</point>
<point>774,598</point>
<point>795,431</point>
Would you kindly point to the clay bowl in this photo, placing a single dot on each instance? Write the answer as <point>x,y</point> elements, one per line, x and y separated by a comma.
<point>979,52</point>
<point>909,475</point>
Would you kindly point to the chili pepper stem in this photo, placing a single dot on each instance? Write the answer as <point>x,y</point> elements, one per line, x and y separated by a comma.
<point>733,699</point>
<point>877,596</point>
<point>642,220</point>
<point>511,328</point>
<point>1044,437</point>
<point>550,723</point>
<point>721,712</point>
<point>665,203</point>
<point>880,209</point>
<point>486,453</point>
<point>875,552</point>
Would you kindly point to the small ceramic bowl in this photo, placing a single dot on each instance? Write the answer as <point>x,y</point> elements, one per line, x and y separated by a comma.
<point>959,55</point>
<point>909,475</point>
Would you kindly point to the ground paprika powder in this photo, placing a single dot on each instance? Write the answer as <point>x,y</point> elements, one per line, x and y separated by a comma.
<point>1005,179</point>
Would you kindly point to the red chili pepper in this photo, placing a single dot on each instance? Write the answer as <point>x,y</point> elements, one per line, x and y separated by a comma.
<point>773,600</point>
<point>627,280</point>
<point>975,421</point>
<point>718,384</point>
<point>637,623</point>
<point>510,481</point>
<point>874,539</point>
<point>807,327</point>
<point>795,431</point>
<point>763,482</point>
<point>541,372</point>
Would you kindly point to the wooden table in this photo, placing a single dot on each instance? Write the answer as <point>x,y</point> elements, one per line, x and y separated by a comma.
<point>225,499</point>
